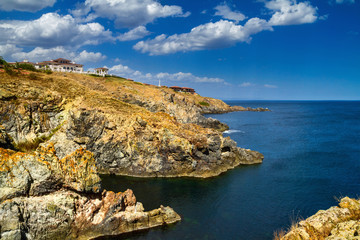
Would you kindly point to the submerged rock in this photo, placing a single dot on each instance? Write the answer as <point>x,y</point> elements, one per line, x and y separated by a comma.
<point>336,223</point>
<point>44,197</point>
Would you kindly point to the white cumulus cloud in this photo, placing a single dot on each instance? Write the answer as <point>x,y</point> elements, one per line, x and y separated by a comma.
<point>86,56</point>
<point>224,11</point>
<point>289,12</point>
<point>52,30</point>
<point>41,54</point>
<point>129,13</point>
<point>25,5</point>
<point>7,50</point>
<point>127,72</point>
<point>133,34</point>
<point>207,36</point>
<point>13,53</point>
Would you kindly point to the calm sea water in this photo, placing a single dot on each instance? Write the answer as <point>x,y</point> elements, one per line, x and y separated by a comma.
<point>312,156</point>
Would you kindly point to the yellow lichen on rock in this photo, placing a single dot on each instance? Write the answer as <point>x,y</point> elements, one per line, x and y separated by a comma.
<point>336,223</point>
<point>47,198</point>
<point>79,171</point>
<point>130,127</point>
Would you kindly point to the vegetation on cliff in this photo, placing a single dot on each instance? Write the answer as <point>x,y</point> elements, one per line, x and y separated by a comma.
<point>132,128</point>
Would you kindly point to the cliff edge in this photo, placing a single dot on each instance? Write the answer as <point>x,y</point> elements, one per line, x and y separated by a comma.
<point>132,128</point>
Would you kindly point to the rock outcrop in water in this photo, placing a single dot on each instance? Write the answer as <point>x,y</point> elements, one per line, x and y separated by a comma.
<point>336,223</point>
<point>132,129</point>
<point>44,197</point>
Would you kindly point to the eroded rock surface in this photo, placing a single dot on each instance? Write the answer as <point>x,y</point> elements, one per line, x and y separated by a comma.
<point>336,223</point>
<point>138,147</point>
<point>132,129</point>
<point>43,197</point>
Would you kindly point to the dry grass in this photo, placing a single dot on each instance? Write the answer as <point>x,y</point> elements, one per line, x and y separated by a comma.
<point>30,145</point>
<point>279,234</point>
<point>102,94</point>
<point>33,144</point>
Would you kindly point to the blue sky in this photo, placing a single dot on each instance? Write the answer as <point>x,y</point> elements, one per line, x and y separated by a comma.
<point>250,49</point>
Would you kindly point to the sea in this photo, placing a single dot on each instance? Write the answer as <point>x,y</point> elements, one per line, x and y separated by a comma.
<point>312,159</point>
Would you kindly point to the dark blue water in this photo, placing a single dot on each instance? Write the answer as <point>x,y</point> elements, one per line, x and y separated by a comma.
<point>312,156</point>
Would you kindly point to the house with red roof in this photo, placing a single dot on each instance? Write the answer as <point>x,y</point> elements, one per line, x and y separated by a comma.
<point>183,89</point>
<point>60,65</point>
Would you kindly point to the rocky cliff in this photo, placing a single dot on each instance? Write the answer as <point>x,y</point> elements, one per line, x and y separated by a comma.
<point>336,223</point>
<point>44,197</point>
<point>132,129</point>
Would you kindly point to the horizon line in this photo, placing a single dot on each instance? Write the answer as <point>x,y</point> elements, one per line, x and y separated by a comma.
<point>279,100</point>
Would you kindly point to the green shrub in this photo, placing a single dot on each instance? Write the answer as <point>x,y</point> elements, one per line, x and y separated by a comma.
<point>48,71</point>
<point>114,76</point>
<point>33,76</point>
<point>94,75</point>
<point>9,70</point>
<point>2,61</point>
<point>26,66</point>
<point>204,104</point>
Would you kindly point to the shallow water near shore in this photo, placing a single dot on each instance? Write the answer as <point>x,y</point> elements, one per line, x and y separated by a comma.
<point>311,151</point>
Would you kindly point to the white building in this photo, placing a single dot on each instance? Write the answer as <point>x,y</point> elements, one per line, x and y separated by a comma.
<point>102,71</point>
<point>60,65</point>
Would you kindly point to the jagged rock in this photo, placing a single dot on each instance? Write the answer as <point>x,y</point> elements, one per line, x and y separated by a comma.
<point>346,230</point>
<point>43,197</point>
<point>133,130</point>
<point>336,223</point>
<point>140,148</point>
<point>99,218</point>
<point>38,173</point>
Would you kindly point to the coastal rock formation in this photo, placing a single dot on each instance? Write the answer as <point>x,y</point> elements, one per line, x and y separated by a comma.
<point>185,107</point>
<point>132,129</point>
<point>336,223</point>
<point>150,150</point>
<point>44,197</point>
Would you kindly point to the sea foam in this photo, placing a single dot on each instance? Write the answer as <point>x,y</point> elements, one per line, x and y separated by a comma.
<point>233,131</point>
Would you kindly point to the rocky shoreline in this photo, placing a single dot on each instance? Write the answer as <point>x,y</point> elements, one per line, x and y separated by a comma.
<point>132,129</point>
<point>336,223</point>
<point>58,132</point>
<point>44,197</point>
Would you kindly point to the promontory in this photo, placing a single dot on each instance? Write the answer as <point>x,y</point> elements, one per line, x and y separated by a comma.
<point>131,128</point>
<point>59,131</point>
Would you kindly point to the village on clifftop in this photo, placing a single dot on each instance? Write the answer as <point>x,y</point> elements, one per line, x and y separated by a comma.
<point>65,65</point>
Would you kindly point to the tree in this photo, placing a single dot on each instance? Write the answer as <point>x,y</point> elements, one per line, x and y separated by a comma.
<point>2,61</point>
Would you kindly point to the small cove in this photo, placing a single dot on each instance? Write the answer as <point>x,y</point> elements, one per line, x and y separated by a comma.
<point>311,154</point>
